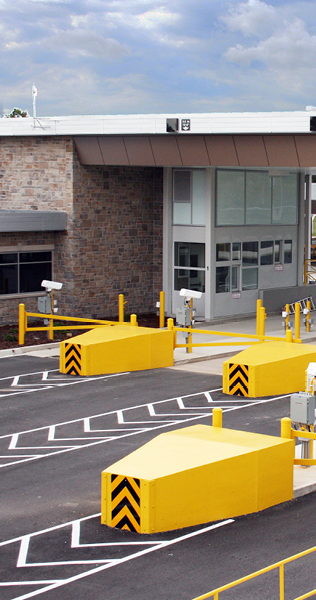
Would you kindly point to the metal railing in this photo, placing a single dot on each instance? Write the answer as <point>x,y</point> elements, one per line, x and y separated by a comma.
<point>215,594</point>
<point>309,270</point>
<point>50,328</point>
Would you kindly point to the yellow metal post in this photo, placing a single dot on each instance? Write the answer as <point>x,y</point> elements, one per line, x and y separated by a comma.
<point>289,336</point>
<point>281,581</point>
<point>170,325</point>
<point>262,318</point>
<point>162,309</point>
<point>259,305</point>
<point>217,417</point>
<point>121,308</point>
<point>21,324</point>
<point>297,320</point>
<point>133,320</point>
<point>308,325</point>
<point>286,428</point>
<point>287,319</point>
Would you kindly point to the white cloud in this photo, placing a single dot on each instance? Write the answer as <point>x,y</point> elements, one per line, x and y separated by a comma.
<point>86,43</point>
<point>253,17</point>
<point>151,19</point>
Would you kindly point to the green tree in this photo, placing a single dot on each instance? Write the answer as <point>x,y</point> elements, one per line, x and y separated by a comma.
<point>17,113</point>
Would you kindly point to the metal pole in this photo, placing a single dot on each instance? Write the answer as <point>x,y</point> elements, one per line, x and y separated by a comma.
<point>121,308</point>
<point>217,417</point>
<point>162,309</point>
<point>286,428</point>
<point>21,324</point>
<point>259,305</point>
<point>297,320</point>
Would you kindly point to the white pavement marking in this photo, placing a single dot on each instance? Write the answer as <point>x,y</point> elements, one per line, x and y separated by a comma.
<point>118,432</point>
<point>107,564</point>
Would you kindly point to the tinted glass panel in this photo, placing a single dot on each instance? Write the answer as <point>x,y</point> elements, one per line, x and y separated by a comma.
<point>10,257</point>
<point>32,275</point>
<point>35,256</point>
<point>250,253</point>
<point>222,252</point>
<point>182,186</point>
<point>222,280</point>
<point>266,253</point>
<point>277,251</point>
<point>230,207</point>
<point>284,199</point>
<point>250,278</point>
<point>287,251</point>
<point>190,279</point>
<point>9,279</point>
<point>236,251</point>
<point>258,198</point>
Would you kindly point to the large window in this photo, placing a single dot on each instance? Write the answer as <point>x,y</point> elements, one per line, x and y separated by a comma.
<point>189,196</point>
<point>23,272</point>
<point>255,198</point>
<point>189,271</point>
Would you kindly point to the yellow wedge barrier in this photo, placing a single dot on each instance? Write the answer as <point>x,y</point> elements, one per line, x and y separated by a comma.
<point>215,594</point>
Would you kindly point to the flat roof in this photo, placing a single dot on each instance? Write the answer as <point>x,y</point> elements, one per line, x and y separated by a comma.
<point>180,123</point>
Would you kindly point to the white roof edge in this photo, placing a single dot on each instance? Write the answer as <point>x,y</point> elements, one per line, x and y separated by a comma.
<point>147,124</point>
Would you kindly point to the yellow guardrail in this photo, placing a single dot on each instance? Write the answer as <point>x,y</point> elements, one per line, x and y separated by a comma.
<point>309,270</point>
<point>288,432</point>
<point>214,594</point>
<point>50,328</point>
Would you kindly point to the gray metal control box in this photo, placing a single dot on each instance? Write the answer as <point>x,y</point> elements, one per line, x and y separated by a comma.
<point>183,317</point>
<point>44,305</point>
<point>302,408</point>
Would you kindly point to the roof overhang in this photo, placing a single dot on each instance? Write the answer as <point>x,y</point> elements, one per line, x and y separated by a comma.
<point>296,151</point>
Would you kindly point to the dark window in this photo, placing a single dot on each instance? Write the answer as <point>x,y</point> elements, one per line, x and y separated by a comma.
<point>266,253</point>
<point>250,253</point>
<point>23,272</point>
<point>222,252</point>
<point>222,280</point>
<point>287,251</point>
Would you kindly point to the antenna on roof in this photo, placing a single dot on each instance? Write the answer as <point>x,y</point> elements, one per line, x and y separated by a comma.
<point>34,94</point>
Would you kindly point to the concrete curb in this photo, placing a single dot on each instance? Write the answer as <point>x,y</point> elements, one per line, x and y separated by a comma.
<point>26,349</point>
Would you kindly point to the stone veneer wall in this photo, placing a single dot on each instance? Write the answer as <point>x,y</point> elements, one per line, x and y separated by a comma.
<point>113,242</point>
<point>117,230</point>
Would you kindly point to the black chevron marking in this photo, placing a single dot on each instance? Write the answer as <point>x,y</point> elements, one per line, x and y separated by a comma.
<point>73,371</point>
<point>72,360</point>
<point>125,521</point>
<point>125,503</point>
<point>238,369</point>
<point>239,382</point>
<point>126,484</point>
<point>72,347</point>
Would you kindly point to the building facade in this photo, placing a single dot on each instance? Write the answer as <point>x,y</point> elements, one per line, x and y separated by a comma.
<point>136,204</point>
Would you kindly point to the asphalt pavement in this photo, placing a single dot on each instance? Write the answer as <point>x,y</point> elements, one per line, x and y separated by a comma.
<point>57,434</point>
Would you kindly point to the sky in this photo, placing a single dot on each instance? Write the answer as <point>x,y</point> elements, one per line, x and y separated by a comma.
<point>97,57</point>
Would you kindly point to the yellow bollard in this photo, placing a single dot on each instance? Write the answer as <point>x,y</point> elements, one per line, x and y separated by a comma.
<point>170,325</point>
<point>162,309</point>
<point>286,428</point>
<point>259,305</point>
<point>121,308</point>
<point>297,320</point>
<point>217,417</point>
<point>21,324</point>
<point>287,319</point>
<point>289,336</point>
<point>133,320</point>
<point>262,318</point>
<point>308,306</point>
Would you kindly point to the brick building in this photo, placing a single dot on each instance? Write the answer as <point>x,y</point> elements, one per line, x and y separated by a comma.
<point>137,204</point>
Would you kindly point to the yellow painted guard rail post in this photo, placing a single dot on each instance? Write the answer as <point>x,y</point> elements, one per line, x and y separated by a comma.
<point>22,324</point>
<point>286,428</point>
<point>297,321</point>
<point>259,305</point>
<point>121,308</point>
<point>133,320</point>
<point>308,316</point>
<point>217,417</point>
<point>262,319</point>
<point>170,325</point>
<point>161,309</point>
<point>287,319</point>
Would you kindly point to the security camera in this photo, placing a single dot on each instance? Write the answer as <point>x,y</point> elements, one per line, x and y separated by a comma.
<point>51,285</point>
<point>190,293</point>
